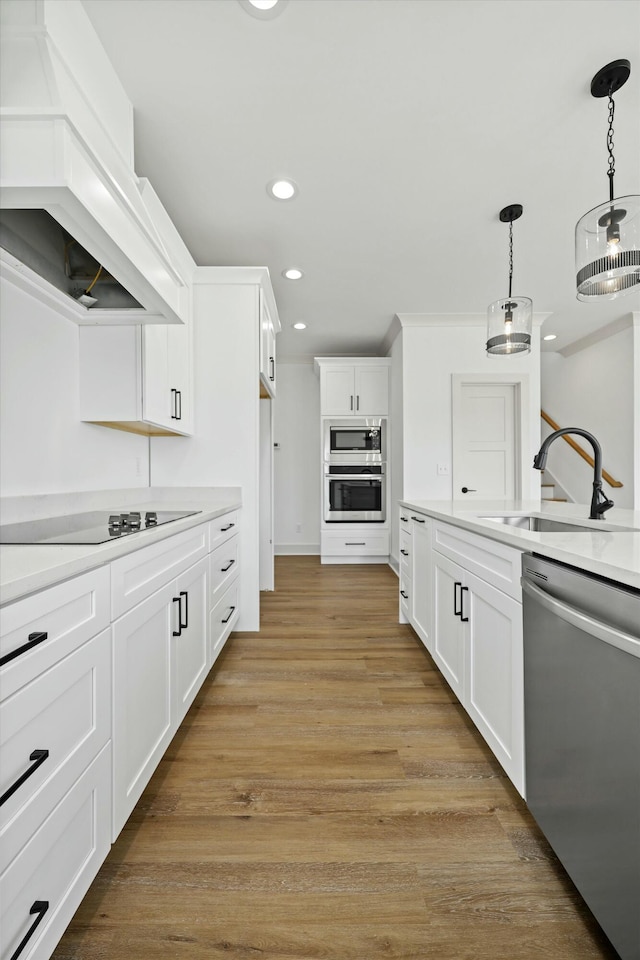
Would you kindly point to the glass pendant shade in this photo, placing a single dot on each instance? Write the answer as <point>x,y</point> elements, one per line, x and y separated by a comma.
<point>509,325</point>
<point>608,249</point>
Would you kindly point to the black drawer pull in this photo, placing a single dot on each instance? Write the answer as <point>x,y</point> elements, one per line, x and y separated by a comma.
<point>272,363</point>
<point>462,616</point>
<point>34,638</point>
<point>226,619</point>
<point>224,529</point>
<point>403,594</point>
<point>37,757</point>
<point>174,403</point>
<point>179,405</point>
<point>183,626</point>
<point>178,632</point>
<point>40,907</point>
<point>418,520</point>
<point>228,566</point>
<point>405,553</point>
<point>405,519</point>
<point>352,543</point>
<point>456,612</point>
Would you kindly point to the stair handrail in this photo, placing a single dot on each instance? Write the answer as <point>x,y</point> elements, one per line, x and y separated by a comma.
<point>583,453</point>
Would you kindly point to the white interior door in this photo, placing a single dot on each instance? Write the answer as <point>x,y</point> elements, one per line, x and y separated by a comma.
<point>485,448</point>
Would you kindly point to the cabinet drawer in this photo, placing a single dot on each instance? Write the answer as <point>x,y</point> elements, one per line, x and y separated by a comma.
<point>138,575</point>
<point>406,590</point>
<point>355,544</point>
<point>69,614</point>
<point>223,528</point>
<point>223,619</point>
<point>406,549</point>
<point>65,712</point>
<point>494,562</point>
<point>58,864</point>
<point>223,568</point>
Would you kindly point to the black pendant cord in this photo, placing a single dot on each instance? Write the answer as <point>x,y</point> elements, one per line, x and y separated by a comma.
<point>510,256</point>
<point>612,163</point>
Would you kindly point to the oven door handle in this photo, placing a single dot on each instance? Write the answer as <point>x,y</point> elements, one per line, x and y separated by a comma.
<point>354,476</point>
<point>582,621</point>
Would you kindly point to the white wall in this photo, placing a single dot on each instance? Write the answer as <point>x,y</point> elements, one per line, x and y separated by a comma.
<point>595,387</point>
<point>297,460</point>
<point>44,447</point>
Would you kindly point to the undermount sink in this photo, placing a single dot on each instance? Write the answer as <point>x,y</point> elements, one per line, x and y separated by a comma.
<point>547,525</point>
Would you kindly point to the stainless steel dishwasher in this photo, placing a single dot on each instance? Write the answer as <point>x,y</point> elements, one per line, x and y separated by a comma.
<point>582,735</point>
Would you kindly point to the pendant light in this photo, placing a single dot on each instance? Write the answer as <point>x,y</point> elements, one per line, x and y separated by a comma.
<point>608,237</point>
<point>509,321</point>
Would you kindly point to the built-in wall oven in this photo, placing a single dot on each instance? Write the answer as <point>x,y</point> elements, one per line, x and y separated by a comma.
<point>355,493</point>
<point>358,441</point>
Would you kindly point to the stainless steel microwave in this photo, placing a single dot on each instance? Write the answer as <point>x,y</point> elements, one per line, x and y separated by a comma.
<point>357,440</point>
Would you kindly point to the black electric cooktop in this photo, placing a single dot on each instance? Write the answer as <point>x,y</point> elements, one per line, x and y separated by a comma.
<point>99,526</point>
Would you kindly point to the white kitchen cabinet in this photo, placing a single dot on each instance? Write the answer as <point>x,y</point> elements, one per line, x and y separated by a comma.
<point>416,575</point>
<point>478,644</point>
<point>142,690</point>
<point>190,647</point>
<point>357,388</point>
<point>354,543</point>
<point>55,730</point>
<point>137,378</point>
<point>267,350</point>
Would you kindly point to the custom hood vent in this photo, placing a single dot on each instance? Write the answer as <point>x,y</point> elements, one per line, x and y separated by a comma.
<point>35,239</point>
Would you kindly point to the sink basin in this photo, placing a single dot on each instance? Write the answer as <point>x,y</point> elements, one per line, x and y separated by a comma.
<point>548,525</point>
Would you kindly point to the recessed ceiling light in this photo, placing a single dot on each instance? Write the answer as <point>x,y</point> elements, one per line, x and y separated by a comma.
<point>292,273</point>
<point>282,189</point>
<point>263,9</point>
<point>299,326</point>
<point>550,336</point>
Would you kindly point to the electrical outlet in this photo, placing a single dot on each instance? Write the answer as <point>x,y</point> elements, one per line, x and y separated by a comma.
<point>443,469</point>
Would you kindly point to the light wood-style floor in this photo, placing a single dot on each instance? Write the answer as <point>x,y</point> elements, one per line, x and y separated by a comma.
<point>328,799</point>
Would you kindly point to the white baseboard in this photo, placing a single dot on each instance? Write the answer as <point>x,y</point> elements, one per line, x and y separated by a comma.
<point>395,566</point>
<point>296,549</point>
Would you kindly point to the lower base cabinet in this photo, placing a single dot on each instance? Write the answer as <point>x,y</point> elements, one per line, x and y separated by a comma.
<point>354,543</point>
<point>44,885</point>
<point>472,628</point>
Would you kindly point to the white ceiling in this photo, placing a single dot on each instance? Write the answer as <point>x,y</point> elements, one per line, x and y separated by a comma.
<point>407,125</point>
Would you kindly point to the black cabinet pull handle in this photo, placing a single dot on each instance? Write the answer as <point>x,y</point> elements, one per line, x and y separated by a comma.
<point>178,404</point>
<point>228,566</point>
<point>37,757</point>
<point>228,527</point>
<point>418,520</point>
<point>34,638</point>
<point>462,617</point>
<point>183,626</point>
<point>40,907</point>
<point>178,632</point>
<point>358,402</point>
<point>354,543</point>
<point>403,594</point>
<point>405,553</point>
<point>456,612</point>
<point>468,490</point>
<point>174,403</point>
<point>351,405</point>
<point>226,619</point>
<point>405,519</point>
<point>272,363</point>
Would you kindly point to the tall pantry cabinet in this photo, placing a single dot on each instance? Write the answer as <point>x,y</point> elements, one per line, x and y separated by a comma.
<point>235,323</point>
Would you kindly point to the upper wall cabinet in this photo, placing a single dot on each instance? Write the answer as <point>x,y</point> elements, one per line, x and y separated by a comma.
<point>267,349</point>
<point>74,213</point>
<point>354,387</point>
<point>137,379</point>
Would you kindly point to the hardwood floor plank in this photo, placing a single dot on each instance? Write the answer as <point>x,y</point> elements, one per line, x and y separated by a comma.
<point>327,798</point>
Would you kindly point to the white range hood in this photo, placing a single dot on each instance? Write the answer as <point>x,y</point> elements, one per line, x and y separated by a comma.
<point>66,147</point>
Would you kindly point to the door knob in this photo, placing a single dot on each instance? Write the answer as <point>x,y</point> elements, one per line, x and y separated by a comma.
<point>468,490</point>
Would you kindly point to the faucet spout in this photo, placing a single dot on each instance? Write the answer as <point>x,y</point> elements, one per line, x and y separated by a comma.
<point>599,502</point>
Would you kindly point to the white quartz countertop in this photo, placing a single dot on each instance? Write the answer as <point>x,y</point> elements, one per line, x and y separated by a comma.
<point>26,568</point>
<point>608,553</point>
